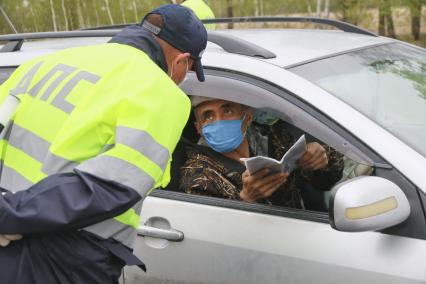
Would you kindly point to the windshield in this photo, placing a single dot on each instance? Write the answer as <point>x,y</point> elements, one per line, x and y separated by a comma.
<point>387,83</point>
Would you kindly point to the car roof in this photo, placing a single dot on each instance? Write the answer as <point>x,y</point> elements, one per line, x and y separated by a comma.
<point>298,46</point>
<point>290,47</point>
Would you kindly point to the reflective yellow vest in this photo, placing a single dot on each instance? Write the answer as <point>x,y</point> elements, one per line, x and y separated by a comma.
<point>107,110</point>
<point>201,10</point>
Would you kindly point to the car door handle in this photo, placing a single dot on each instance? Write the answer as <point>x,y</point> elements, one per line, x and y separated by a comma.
<point>167,234</point>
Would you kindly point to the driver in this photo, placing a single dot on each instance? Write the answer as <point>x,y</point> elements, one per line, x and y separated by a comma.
<point>228,133</point>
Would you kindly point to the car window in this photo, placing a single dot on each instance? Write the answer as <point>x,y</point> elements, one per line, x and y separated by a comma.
<point>271,134</point>
<point>5,74</point>
<point>391,87</point>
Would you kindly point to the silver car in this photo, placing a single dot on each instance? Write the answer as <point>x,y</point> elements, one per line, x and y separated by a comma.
<point>362,94</point>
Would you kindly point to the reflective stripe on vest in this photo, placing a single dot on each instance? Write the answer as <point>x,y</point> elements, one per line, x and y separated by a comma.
<point>150,148</point>
<point>28,142</point>
<point>115,169</point>
<point>13,180</point>
<point>121,228</point>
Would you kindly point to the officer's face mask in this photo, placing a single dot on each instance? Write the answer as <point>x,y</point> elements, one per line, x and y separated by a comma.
<point>177,81</point>
<point>224,135</point>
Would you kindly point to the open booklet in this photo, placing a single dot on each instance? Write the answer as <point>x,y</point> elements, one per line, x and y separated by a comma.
<point>288,162</point>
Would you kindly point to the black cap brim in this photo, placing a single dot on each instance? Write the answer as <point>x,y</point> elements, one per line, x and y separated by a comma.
<point>197,67</point>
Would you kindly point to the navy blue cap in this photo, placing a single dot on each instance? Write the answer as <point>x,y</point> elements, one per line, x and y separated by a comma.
<point>182,30</point>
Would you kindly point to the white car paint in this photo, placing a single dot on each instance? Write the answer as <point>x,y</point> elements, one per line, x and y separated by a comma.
<point>233,246</point>
<point>294,46</point>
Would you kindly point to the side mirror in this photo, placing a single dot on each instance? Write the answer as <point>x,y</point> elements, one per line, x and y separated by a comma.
<point>367,203</point>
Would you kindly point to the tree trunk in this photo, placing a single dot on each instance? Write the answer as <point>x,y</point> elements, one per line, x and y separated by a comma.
<point>34,16</point>
<point>8,20</point>
<point>318,14</point>
<point>109,12</point>
<point>308,4</point>
<point>87,20</point>
<point>416,12</point>
<point>230,12</point>
<point>52,10</point>
<point>95,8</point>
<point>80,15</point>
<point>327,8</point>
<point>135,10</point>
<point>390,27</point>
<point>123,15</point>
<point>382,30</point>
<point>64,11</point>
<point>345,12</point>
<point>256,7</point>
<point>387,10</point>
<point>72,15</point>
<point>386,26</point>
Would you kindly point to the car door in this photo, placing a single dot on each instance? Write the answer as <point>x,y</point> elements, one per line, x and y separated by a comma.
<point>195,239</point>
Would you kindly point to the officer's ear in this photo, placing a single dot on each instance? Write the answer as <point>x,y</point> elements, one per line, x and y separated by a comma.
<point>183,59</point>
<point>179,67</point>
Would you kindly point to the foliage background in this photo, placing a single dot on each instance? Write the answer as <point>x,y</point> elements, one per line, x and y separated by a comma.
<point>404,19</point>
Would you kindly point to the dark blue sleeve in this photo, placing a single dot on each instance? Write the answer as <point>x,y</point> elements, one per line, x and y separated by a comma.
<point>63,202</point>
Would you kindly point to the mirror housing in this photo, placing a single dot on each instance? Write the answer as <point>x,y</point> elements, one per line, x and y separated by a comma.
<point>367,203</point>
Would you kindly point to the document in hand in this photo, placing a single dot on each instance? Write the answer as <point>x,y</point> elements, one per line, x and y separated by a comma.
<point>288,162</point>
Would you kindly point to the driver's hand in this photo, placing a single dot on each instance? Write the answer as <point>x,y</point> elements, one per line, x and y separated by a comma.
<point>261,185</point>
<point>315,157</point>
<point>7,238</point>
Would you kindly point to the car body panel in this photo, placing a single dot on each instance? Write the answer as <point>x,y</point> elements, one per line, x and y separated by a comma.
<point>234,246</point>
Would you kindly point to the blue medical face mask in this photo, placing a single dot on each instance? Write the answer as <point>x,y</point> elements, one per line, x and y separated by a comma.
<point>224,135</point>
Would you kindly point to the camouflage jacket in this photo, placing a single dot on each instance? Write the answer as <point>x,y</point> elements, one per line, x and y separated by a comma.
<point>219,176</point>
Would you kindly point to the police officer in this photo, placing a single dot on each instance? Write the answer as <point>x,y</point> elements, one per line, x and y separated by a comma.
<point>200,8</point>
<point>92,135</point>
